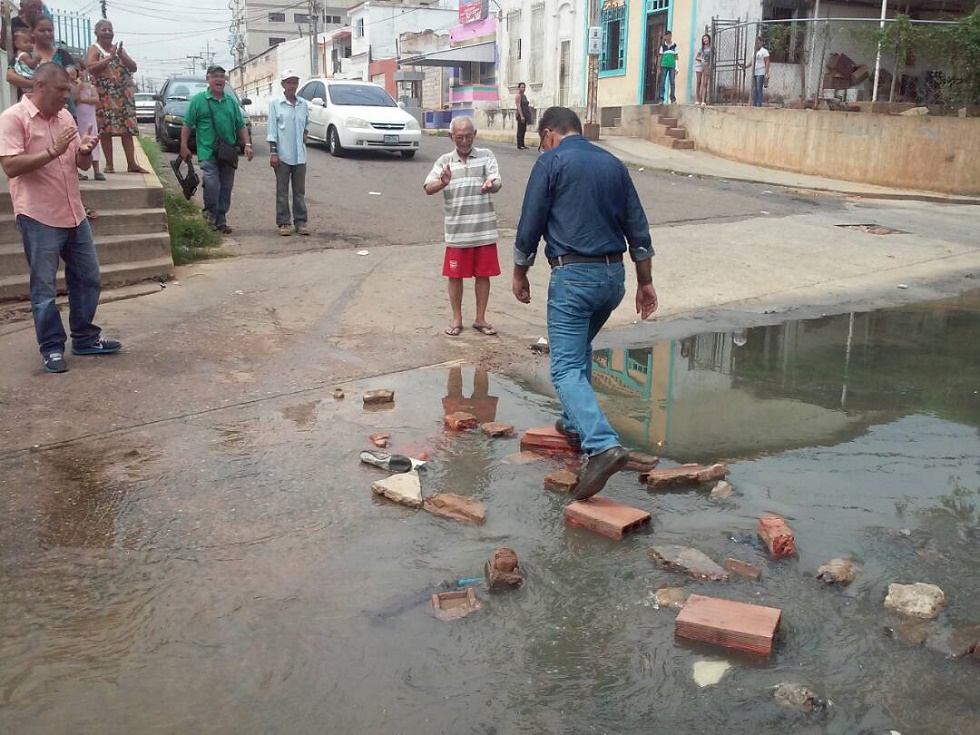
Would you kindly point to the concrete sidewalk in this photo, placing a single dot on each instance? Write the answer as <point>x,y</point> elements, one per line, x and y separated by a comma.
<point>650,155</point>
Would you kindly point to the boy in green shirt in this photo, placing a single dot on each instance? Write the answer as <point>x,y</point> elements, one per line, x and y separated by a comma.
<point>668,67</point>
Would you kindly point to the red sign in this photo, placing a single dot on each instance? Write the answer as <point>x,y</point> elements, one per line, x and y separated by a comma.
<point>470,10</point>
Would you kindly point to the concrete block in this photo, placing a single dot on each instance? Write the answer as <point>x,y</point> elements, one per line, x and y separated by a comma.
<point>460,421</point>
<point>678,132</point>
<point>456,507</point>
<point>777,537</point>
<point>545,440</point>
<point>735,625</point>
<point>742,569</point>
<point>682,145</point>
<point>919,600</point>
<point>503,570</point>
<point>684,559</point>
<point>605,517</point>
<point>496,428</point>
<point>455,605</point>
<point>378,397</point>
<point>404,488</point>
<point>561,481</point>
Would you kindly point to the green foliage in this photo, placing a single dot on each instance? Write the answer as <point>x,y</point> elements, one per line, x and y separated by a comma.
<point>963,46</point>
<point>191,238</point>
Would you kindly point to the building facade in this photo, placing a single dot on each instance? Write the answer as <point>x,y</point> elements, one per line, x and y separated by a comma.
<point>268,23</point>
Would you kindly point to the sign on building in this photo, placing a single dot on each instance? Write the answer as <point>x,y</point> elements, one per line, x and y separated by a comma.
<point>471,10</point>
<point>595,40</point>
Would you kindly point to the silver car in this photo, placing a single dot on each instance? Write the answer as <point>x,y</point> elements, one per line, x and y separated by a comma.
<point>145,106</point>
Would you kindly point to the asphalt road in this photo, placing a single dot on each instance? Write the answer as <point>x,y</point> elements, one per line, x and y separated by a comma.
<point>374,199</point>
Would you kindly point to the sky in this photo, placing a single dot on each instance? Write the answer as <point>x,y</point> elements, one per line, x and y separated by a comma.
<point>160,35</point>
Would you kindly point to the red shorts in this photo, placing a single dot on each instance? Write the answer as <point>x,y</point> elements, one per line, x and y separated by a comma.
<point>471,262</point>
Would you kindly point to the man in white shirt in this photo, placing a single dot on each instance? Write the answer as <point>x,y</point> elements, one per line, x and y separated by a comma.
<point>761,72</point>
<point>289,123</point>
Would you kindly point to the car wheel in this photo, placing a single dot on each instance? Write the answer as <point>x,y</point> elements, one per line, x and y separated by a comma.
<point>333,143</point>
<point>408,154</point>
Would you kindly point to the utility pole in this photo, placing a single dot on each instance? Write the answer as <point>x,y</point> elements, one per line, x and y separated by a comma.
<point>314,14</point>
<point>592,90</point>
<point>105,12</point>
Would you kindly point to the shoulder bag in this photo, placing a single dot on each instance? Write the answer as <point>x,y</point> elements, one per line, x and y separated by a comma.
<point>224,152</point>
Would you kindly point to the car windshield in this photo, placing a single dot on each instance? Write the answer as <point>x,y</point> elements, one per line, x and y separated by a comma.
<point>365,95</point>
<point>144,97</point>
<point>183,90</point>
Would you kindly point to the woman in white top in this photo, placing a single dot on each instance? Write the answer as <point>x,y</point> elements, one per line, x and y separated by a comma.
<point>702,69</point>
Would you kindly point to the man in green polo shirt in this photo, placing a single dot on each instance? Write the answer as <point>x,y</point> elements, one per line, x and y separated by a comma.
<point>213,114</point>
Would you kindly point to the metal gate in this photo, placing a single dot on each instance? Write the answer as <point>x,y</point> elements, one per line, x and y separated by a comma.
<point>730,41</point>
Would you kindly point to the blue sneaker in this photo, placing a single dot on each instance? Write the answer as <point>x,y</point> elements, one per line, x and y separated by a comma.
<point>54,362</point>
<point>101,346</point>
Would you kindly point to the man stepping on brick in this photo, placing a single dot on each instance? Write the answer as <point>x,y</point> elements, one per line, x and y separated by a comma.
<point>581,200</point>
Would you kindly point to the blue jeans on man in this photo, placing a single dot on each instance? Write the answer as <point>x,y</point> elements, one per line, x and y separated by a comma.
<point>668,75</point>
<point>219,180</point>
<point>581,297</point>
<point>758,84</point>
<point>291,178</point>
<point>43,246</point>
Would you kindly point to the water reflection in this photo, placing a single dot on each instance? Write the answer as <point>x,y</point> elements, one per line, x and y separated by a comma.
<point>817,381</point>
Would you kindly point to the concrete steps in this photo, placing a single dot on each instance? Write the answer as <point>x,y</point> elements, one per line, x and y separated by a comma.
<point>667,132</point>
<point>131,234</point>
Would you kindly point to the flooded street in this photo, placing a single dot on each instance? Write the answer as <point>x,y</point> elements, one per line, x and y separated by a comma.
<point>232,572</point>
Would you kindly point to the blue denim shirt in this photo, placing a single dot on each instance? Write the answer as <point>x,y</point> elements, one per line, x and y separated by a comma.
<point>581,199</point>
<point>286,124</point>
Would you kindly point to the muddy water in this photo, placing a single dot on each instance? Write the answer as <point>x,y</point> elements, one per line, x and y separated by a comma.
<point>233,573</point>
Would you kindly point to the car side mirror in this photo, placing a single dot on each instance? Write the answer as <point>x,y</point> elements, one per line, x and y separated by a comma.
<point>246,101</point>
<point>401,104</point>
<point>318,101</point>
<point>158,98</point>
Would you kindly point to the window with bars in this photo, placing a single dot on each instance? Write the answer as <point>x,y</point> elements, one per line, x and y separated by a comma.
<point>613,20</point>
<point>514,47</point>
<point>301,18</point>
<point>277,17</point>
<point>536,62</point>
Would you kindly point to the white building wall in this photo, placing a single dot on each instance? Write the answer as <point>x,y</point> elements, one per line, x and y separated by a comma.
<point>383,23</point>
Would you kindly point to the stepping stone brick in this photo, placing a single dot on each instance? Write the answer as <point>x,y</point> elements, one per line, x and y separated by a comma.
<point>404,488</point>
<point>639,462</point>
<point>777,537</point>
<point>461,421</point>
<point>456,507</point>
<point>735,625</point>
<point>686,474</point>
<point>455,605</point>
<point>605,517</point>
<point>503,570</point>
<point>742,569</point>
<point>496,428</point>
<point>561,481</point>
<point>545,440</point>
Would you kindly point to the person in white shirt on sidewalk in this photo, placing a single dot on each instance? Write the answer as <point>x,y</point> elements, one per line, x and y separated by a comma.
<point>761,72</point>
<point>289,124</point>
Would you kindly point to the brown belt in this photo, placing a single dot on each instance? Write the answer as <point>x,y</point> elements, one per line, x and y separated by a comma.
<point>573,258</point>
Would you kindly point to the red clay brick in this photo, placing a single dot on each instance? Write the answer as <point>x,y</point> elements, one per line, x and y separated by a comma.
<point>639,462</point>
<point>503,570</point>
<point>686,474</point>
<point>376,397</point>
<point>496,428</point>
<point>545,440</point>
<point>561,481</point>
<point>461,421</point>
<point>742,569</point>
<point>379,440</point>
<point>605,517</point>
<point>735,625</point>
<point>777,536</point>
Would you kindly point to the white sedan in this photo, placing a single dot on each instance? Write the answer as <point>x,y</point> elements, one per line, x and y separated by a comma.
<point>351,115</point>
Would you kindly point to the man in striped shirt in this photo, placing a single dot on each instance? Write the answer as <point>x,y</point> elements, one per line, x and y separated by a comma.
<point>467,177</point>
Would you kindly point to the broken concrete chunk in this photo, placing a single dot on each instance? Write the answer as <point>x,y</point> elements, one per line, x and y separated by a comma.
<point>837,571</point>
<point>919,600</point>
<point>455,605</point>
<point>709,673</point>
<point>672,597</point>
<point>687,560</point>
<point>686,474</point>
<point>404,488</point>
<point>777,537</point>
<point>799,697</point>
<point>379,440</point>
<point>742,569</point>
<point>721,491</point>
<point>456,507</point>
<point>639,462</point>
<point>503,569</point>
<point>460,421</point>
<point>561,481</point>
<point>377,397</point>
<point>496,428</point>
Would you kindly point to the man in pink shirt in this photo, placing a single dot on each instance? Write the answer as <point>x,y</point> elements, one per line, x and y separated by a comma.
<point>40,151</point>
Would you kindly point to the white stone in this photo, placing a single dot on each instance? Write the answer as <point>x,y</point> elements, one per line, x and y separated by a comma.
<point>709,673</point>
<point>919,600</point>
<point>721,491</point>
<point>404,488</point>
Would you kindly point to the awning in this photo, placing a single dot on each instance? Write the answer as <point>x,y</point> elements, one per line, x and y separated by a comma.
<point>457,56</point>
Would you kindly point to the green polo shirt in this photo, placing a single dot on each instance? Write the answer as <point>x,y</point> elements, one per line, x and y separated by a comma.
<point>227,116</point>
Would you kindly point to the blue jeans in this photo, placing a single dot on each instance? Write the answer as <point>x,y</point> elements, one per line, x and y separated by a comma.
<point>219,179</point>
<point>758,83</point>
<point>667,75</point>
<point>581,297</point>
<point>43,245</point>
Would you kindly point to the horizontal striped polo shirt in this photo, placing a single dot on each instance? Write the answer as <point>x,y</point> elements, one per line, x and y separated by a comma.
<point>471,220</point>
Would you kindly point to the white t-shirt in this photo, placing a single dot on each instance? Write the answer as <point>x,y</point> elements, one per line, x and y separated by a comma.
<point>760,61</point>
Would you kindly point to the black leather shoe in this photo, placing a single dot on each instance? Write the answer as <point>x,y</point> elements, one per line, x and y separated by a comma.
<point>573,438</point>
<point>598,469</point>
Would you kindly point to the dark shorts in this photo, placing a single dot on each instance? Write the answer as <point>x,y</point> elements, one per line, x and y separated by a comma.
<point>480,262</point>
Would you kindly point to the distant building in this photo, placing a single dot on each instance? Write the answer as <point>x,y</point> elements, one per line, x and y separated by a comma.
<point>268,23</point>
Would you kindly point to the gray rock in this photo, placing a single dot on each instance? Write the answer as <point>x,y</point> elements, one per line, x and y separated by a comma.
<point>671,597</point>
<point>799,697</point>
<point>685,559</point>
<point>919,600</point>
<point>404,488</point>
<point>837,571</point>
<point>721,491</point>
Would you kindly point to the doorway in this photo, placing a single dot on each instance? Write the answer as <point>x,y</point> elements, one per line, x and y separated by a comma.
<point>656,25</point>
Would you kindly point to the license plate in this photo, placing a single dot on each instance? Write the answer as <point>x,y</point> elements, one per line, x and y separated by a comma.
<point>391,139</point>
